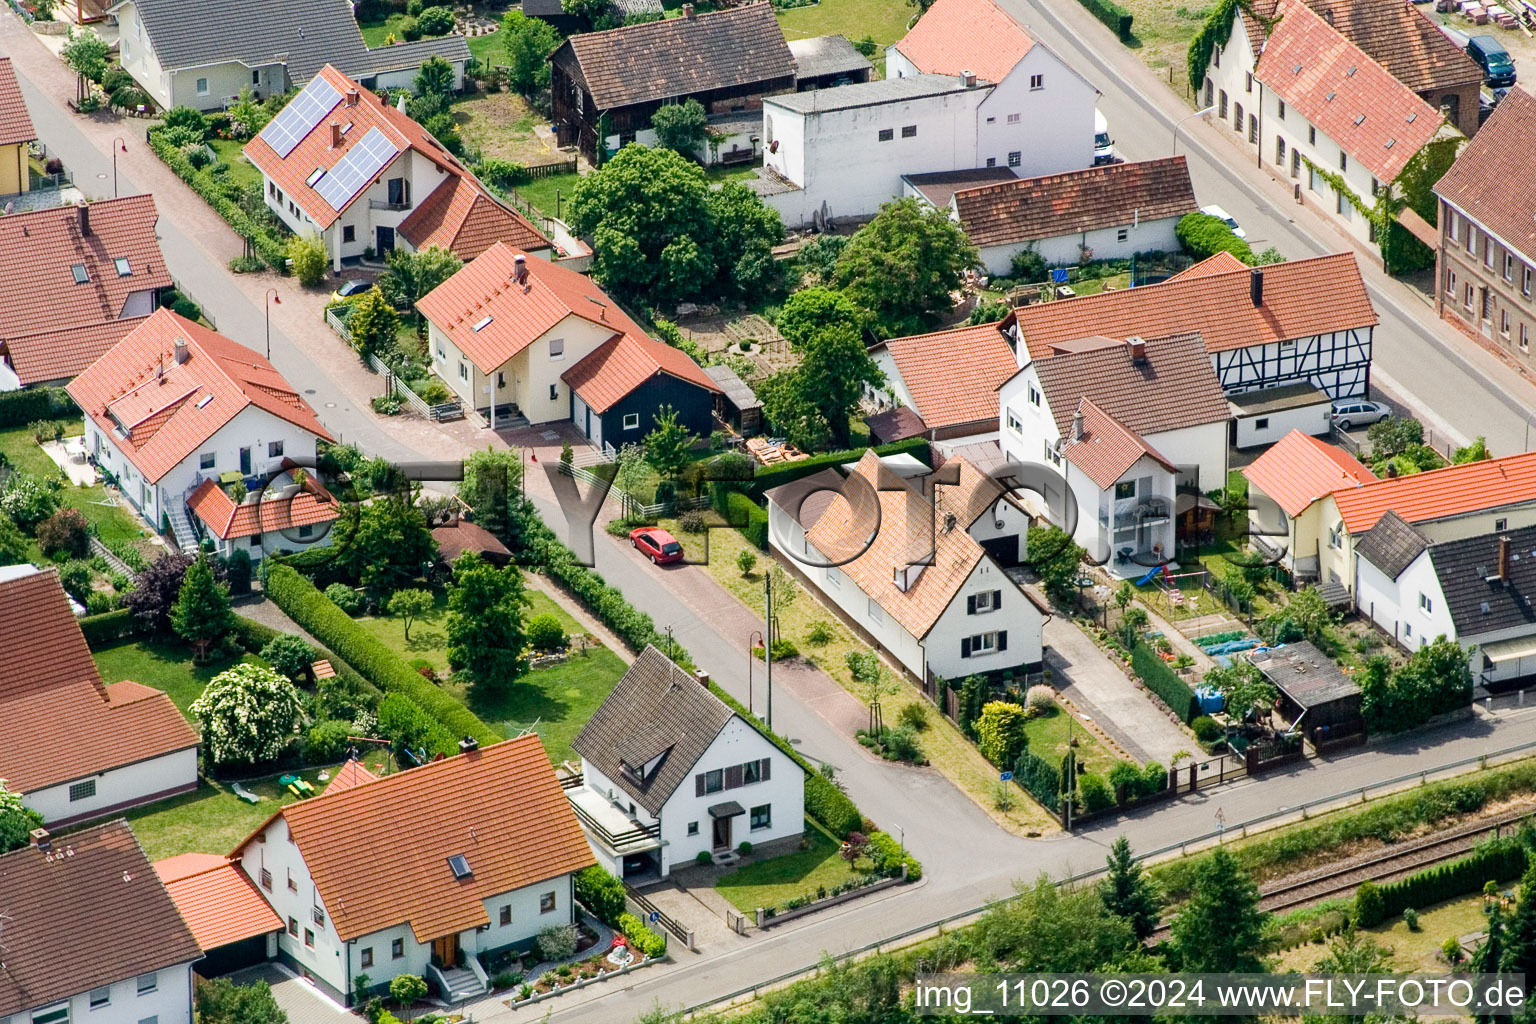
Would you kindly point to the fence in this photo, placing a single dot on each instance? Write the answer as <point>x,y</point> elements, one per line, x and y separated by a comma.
<point>439,413</point>
<point>550,170</point>
<point>651,914</point>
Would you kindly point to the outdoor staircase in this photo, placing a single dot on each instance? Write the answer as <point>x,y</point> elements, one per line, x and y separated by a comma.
<point>181,528</point>
<point>460,984</point>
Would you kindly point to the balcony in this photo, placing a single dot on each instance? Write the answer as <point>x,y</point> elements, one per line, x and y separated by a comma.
<point>380,204</point>
<point>608,825</point>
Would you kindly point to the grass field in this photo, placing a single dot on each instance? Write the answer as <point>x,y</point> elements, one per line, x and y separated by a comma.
<point>769,883</point>
<point>240,169</point>
<point>1411,951</point>
<point>113,523</point>
<point>163,664</point>
<point>885,21</point>
<point>555,702</point>
<point>1048,739</point>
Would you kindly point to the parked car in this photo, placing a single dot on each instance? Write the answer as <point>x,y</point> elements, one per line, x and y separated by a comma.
<point>349,289</point>
<point>1226,218</point>
<point>1349,413</point>
<point>1103,145</point>
<point>656,544</point>
<point>1498,66</point>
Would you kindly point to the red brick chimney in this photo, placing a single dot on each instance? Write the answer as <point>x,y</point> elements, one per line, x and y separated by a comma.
<point>335,134</point>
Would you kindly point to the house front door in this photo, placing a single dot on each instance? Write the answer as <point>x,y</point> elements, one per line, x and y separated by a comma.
<point>722,834</point>
<point>386,240</point>
<point>446,950</point>
<point>245,462</point>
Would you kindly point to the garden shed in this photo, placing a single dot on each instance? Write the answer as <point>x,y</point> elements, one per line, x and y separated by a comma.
<point>1316,695</point>
<point>737,404</point>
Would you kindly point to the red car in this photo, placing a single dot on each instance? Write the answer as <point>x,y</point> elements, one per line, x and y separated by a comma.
<point>656,544</point>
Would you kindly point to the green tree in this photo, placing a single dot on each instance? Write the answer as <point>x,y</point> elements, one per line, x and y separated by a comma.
<point>485,623</point>
<point>1355,952</point>
<point>1000,732</point>
<point>666,447</point>
<point>221,1001</point>
<point>813,401</point>
<point>1477,451</point>
<point>680,126</point>
<point>435,78</point>
<point>1520,934</point>
<point>1491,954</point>
<point>742,234</point>
<point>390,546</point>
<point>903,266</point>
<point>410,275</point>
<point>746,561</point>
<point>16,820</point>
<point>1055,557</point>
<point>290,655</point>
<point>86,54</point>
<point>307,258</point>
<point>436,21</point>
<point>1243,688</point>
<point>809,311</point>
<point>405,989</point>
<point>14,547</point>
<point>1128,891</point>
<point>1221,928</point>
<point>593,13</point>
<point>373,323</point>
<point>201,615</point>
<point>408,606</point>
<point>1393,436</point>
<point>492,486</point>
<point>249,713</point>
<point>528,42</point>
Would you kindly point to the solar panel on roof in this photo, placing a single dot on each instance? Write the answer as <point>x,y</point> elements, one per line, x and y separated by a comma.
<point>300,116</point>
<point>365,159</point>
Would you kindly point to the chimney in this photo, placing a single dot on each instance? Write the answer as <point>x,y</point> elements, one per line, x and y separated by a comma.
<point>969,78</point>
<point>1077,425</point>
<point>1138,347</point>
<point>702,676</point>
<point>335,134</point>
<point>1504,559</point>
<point>688,11</point>
<point>41,839</point>
<point>1256,286</point>
<point>1328,15</point>
<point>468,745</point>
<point>520,269</point>
<point>351,97</point>
<point>85,219</point>
<point>182,351</point>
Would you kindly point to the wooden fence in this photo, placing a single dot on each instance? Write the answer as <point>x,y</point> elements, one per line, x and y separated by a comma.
<point>550,170</point>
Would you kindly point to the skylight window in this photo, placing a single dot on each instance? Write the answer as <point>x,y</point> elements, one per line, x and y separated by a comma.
<point>1296,70</point>
<point>314,176</point>
<point>346,127</point>
<point>1413,117</point>
<point>460,865</point>
<point>201,402</point>
<point>81,274</point>
<point>123,267</point>
<point>1390,144</point>
<point>1350,72</point>
<point>1359,119</point>
<point>1330,96</point>
<point>482,324</point>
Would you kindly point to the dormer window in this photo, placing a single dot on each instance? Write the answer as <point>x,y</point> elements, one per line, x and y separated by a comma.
<point>124,269</point>
<point>80,273</point>
<point>460,866</point>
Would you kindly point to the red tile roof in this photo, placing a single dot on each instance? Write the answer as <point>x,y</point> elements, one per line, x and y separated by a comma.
<point>1336,86</point>
<point>158,418</point>
<point>1402,39</point>
<point>1299,469</point>
<point>1221,263</point>
<point>1491,182</point>
<point>1441,493</point>
<point>50,327</point>
<point>1302,298</point>
<point>622,363</point>
<point>350,776</point>
<point>460,215</point>
<point>1069,203</point>
<point>15,122</point>
<point>216,899</point>
<point>379,853</point>
<point>518,314</point>
<point>953,375</point>
<point>265,513</point>
<point>50,678</point>
<point>1108,447</point>
<point>954,36</point>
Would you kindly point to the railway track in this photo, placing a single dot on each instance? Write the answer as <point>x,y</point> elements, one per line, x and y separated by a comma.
<point>1387,865</point>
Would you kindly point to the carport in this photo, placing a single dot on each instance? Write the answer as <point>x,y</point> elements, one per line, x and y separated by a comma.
<point>228,917</point>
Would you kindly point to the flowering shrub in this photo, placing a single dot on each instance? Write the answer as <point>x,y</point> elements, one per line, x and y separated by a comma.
<point>249,714</point>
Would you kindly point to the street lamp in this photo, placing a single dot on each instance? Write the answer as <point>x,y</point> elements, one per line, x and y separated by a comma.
<point>1198,113</point>
<point>752,645</point>
<point>271,297</point>
<point>117,145</point>
<point>903,833</point>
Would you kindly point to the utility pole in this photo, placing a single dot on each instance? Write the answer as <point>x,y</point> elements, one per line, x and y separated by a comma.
<point>1071,771</point>
<point>768,647</point>
<point>671,647</point>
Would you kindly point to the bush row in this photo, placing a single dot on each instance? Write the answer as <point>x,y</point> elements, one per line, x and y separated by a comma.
<point>640,937</point>
<point>765,478</point>
<point>751,516</point>
<point>1164,682</point>
<point>601,893</point>
<point>270,248</point>
<point>18,408</point>
<point>1494,861</point>
<point>1205,236</point>
<point>889,856</point>
<point>1039,778</point>
<point>110,627</point>
<point>308,607</point>
<point>1112,14</point>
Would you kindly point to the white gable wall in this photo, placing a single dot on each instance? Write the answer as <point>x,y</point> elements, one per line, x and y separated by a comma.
<point>1228,72</point>
<point>118,788</point>
<point>1394,606</point>
<point>1017,615</point>
<point>1053,130</point>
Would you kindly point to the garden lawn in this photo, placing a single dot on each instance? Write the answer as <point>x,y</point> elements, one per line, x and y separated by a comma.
<point>540,193</point>
<point>884,20</point>
<point>941,742</point>
<point>772,882</point>
<point>555,702</point>
<point>502,126</point>
<point>1411,951</point>
<point>1048,739</point>
<point>114,524</point>
<point>232,153</point>
<point>164,664</point>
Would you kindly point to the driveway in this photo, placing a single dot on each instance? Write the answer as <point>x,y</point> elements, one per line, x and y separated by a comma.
<point>298,998</point>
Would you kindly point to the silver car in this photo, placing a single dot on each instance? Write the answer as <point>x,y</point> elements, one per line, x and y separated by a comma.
<point>1349,413</point>
<point>1226,218</point>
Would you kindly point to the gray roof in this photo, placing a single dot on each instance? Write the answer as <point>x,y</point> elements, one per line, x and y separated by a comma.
<point>1391,545</point>
<point>543,8</point>
<point>1477,600</point>
<point>629,8</point>
<point>827,55</point>
<point>452,47</point>
<point>1305,674</point>
<point>868,94</point>
<point>1286,396</point>
<point>939,187</point>
<point>306,36</point>
<point>736,391</point>
<point>657,709</point>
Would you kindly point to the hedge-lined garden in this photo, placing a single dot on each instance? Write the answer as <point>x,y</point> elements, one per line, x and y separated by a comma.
<point>1164,682</point>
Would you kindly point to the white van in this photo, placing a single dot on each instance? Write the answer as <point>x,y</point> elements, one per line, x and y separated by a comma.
<point>1103,145</point>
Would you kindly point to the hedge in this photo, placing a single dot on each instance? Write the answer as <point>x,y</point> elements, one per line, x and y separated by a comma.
<point>305,605</point>
<point>649,943</point>
<point>254,636</point>
<point>602,893</point>
<point>889,856</point>
<point>765,478</point>
<point>19,408</point>
<point>1494,861</point>
<point>1205,236</point>
<point>1039,778</point>
<point>751,516</point>
<point>110,627</point>
<point>1112,14</point>
<point>1161,680</point>
<point>319,563</point>
<point>271,249</point>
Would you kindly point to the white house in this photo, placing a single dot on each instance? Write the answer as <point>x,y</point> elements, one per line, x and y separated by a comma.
<point>174,404</point>
<point>201,53</point>
<point>339,162</point>
<point>915,560</point>
<point>670,772</point>
<point>1112,211</point>
<point>1334,122</point>
<point>78,749</point>
<point>466,856</point>
<point>284,516</point>
<point>91,935</point>
<point>947,379</point>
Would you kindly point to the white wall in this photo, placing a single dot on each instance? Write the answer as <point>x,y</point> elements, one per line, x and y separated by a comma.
<point>526,378</point>
<point>1394,604</point>
<point>138,57</point>
<point>325,958</point>
<point>1323,361</point>
<point>169,1003</point>
<point>1230,72</point>
<point>1272,426</point>
<point>1203,447</point>
<point>1017,614</point>
<point>1054,127</point>
<point>224,82</point>
<point>1106,244</point>
<point>118,788</point>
